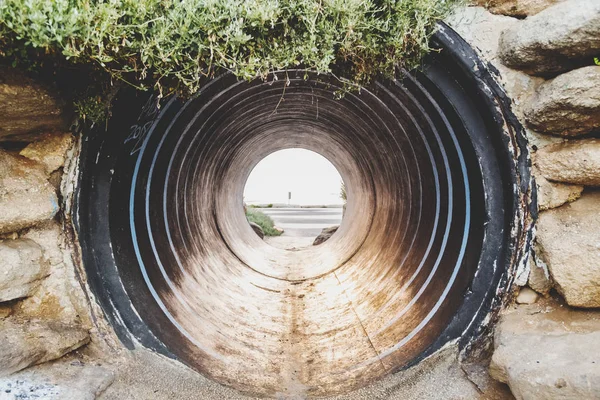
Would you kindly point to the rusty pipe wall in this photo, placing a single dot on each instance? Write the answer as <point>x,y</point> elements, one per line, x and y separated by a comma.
<point>423,249</point>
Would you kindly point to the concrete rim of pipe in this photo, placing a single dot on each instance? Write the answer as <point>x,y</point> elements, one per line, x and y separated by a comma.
<point>438,217</point>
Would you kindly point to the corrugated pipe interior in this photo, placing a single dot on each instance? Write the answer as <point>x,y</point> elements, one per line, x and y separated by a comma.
<point>437,186</point>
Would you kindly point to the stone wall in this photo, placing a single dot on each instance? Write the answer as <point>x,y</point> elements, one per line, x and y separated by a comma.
<point>44,312</point>
<point>546,344</point>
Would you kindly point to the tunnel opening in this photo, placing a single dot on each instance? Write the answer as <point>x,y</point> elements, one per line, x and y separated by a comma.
<point>436,222</point>
<point>295,195</point>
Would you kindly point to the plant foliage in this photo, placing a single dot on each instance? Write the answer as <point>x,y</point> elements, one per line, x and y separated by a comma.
<point>173,44</point>
<point>262,220</point>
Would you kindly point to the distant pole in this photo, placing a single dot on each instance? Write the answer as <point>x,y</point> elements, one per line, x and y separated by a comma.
<point>289,197</point>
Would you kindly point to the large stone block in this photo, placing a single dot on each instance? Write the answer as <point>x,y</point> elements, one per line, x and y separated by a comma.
<point>546,353</point>
<point>517,8</point>
<point>21,268</point>
<point>26,196</point>
<point>568,105</point>
<point>558,39</point>
<point>60,295</point>
<point>27,108</point>
<point>569,243</point>
<point>50,150</point>
<point>576,162</point>
<point>29,342</point>
<point>552,194</point>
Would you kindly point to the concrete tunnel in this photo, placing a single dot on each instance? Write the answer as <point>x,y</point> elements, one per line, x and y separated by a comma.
<point>435,167</point>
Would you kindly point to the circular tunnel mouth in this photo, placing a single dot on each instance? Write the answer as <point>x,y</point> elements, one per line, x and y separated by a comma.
<point>417,263</point>
<point>302,193</point>
<point>304,263</point>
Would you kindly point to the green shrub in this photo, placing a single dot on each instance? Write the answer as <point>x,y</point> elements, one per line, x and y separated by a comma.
<point>262,220</point>
<point>173,44</point>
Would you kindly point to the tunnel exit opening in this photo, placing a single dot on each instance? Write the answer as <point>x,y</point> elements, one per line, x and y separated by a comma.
<point>295,195</point>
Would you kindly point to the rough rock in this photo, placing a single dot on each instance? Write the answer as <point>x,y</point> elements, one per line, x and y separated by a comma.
<point>553,194</point>
<point>60,381</point>
<point>546,352</point>
<point>21,268</point>
<point>539,140</point>
<point>576,162</point>
<point>26,197</point>
<point>26,108</point>
<point>558,39</point>
<point>568,241</point>
<point>5,310</point>
<point>55,179</point>
<point>517,8</point>
<point>28,342</point>
<point>482,30</point>
<point>50,150</point>
<point>257,229</point>
<point>539,276</point>
<point>526,296</point>
<point>59,296</point>
<point>568,105</point>
<point>325,234</point>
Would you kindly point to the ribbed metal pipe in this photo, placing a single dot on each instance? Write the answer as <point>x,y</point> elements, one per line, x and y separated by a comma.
<point>423,247</point>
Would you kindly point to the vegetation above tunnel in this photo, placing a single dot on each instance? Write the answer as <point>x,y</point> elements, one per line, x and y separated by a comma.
<point>173,45</point>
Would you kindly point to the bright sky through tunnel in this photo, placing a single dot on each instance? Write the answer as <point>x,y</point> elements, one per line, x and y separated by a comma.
<point>310,177</point>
